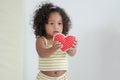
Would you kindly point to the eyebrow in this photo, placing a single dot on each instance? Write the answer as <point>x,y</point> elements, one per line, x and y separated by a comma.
<point>53,21</point>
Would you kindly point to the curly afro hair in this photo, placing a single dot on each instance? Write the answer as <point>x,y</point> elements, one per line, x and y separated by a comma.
<point>41,18</point>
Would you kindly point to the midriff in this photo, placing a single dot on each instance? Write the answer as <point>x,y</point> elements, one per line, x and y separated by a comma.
<point>54,73</point>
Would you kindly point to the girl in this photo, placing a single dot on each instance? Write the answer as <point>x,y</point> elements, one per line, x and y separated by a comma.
<point>48,20</point>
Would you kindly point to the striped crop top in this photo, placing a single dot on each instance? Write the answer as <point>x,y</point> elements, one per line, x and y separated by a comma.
<point>57,61</point>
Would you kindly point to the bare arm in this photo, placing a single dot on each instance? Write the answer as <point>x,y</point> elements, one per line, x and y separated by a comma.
<point>72,51</point>
<point>42,50</point>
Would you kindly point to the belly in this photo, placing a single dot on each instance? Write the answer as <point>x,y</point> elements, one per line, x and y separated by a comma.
<point>54,73</point>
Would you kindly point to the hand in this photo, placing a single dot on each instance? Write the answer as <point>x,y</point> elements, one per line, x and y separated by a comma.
<point>74,45</point>
<point>72,50</point>
<point>56,45</point>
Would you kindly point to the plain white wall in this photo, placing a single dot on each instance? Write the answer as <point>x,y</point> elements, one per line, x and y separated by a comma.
<point>96,24</point>
<point>11,39</point>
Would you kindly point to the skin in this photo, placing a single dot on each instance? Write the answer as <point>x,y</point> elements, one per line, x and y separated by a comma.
<point>53,26</point>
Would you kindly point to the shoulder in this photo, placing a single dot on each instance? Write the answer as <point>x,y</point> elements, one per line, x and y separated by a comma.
<point>40,39</point>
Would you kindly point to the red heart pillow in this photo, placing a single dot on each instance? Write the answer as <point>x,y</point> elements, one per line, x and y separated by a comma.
<point>66,41</point>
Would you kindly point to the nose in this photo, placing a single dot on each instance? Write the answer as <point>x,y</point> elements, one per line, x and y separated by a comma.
<point>56,26</point>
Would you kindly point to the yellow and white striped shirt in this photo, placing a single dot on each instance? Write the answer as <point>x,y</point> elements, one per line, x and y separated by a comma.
<point>57,61</point>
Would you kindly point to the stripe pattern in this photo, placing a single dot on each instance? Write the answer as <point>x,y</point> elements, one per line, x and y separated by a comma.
<point>54,62</point>
<point>57,61</point>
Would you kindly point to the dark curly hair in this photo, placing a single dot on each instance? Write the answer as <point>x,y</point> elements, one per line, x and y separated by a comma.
<point>41,18</point>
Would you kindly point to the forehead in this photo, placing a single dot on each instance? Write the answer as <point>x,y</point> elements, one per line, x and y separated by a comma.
<point>55,16</point>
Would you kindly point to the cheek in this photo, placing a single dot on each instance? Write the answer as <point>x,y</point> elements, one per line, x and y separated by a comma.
<point>61,28</point>
<point>47,28</point>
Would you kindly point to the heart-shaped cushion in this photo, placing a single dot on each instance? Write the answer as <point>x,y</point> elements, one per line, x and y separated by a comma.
<point>66,41</point>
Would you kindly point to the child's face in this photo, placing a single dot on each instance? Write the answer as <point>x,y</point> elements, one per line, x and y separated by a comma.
<point>55,24</point>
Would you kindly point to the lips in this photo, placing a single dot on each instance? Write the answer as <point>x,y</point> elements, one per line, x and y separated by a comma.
<point>56,32</point>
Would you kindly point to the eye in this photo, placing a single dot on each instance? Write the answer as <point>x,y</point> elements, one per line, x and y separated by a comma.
<point>60,23</point>
<point>51,23</point>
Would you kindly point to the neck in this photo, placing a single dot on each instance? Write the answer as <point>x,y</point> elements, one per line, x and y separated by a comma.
<point>49,37</point>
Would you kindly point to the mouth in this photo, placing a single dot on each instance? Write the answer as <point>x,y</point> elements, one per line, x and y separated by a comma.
<point>56,32</point>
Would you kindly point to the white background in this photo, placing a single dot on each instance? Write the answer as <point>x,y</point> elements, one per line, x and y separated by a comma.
<point>11,39</point>
<point>96,24</point>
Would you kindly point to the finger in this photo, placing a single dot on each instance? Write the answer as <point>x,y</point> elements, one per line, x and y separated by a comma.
<point>57,44</point>
<point>70,48</point>
<point>74,45</point>
<point>57,47</point>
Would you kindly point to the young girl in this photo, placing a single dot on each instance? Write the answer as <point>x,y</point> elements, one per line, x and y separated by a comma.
<point>49,20</point>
